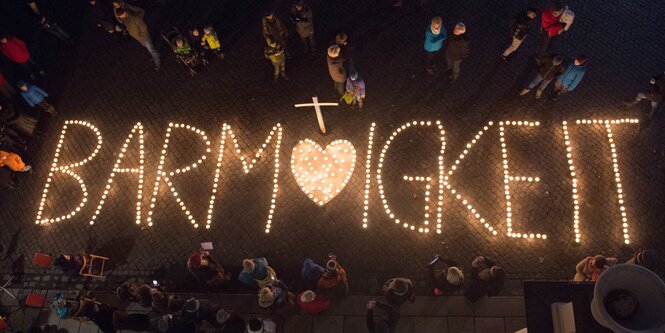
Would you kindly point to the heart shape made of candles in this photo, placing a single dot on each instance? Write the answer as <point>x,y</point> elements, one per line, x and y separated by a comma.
<point>323,173</point>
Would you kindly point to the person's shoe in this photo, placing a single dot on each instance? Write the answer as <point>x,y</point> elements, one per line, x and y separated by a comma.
<point>629,104</point>
<point>524,91</point>
<point>429,71</point>
<point>157,67</point>
<point>555,97</point>
<point>221,56</point>
<point>42,73</point>
<point>506,59</point>
<point>25,168</point>
<point>285,77</point>
<point>539,93</point>
<point>276,79</point>
<point>451,78</point>
<point>437,292</point>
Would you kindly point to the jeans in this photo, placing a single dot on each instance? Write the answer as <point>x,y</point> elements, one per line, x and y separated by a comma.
<point>430,56</point>
<point>309,42</point>
<point>156,57</point>
<point>339,88</point>
<point>539,80</point>
<point>280,67</point>
<point>454,66</point>
<point>513,46</point>
<point>357,100</point>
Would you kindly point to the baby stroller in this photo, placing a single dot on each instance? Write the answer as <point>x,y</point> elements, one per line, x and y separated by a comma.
<point>191,59</point>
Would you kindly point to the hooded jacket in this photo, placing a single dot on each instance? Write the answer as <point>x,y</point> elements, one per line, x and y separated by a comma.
<point>34,95</point>
<point>15,50</point>
<point>572,75</point>
<point>550,23</point>
<point>434,42</point>
<point>303,19</point>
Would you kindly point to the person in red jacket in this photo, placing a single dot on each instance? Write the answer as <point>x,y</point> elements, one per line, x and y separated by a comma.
<point>16,51</point>
<point>6,89</point>
<point>312,303</point>
<point>551,27</point>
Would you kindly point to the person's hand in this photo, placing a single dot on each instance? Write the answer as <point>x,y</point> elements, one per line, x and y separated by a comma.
<point>371,304</point>
<point>203,43</point>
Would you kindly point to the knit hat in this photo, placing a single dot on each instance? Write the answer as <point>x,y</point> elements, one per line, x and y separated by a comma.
<point>399,287</point>
<point>331,266</point>
<point>192,305</point>
<point>460,27</point>
<point>354,75</point>
<point>333,51</point>
<point>22,84</point>
<point>307,296</point>
<point>195,260</point>
<point>455,276</point>
<point>248,265</point>
<point>222,316</point>
<point>557,60</point>
<point>266,297</point>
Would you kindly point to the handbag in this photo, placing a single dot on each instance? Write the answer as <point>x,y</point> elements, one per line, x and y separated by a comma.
<point>347,97</point>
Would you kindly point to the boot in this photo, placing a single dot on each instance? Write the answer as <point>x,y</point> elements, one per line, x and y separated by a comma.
<point>284,76</point>
<point>25,168</point>
<point>539,93</point>
<point>630,104</point>
<point>524,91</point>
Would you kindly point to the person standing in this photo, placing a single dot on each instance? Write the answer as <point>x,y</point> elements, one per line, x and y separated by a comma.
<point>458,49</point>
<point>551,27</point>
<point>13,162</point>
<point>336,69</point>
<point>274,30</point>
<point>256,272</point>
<point>570,77</point>
<point>275,53</point>
<point>398,291</point>
<point>34,95</point>
<point>435,34</point>
<point>520,27</point>
<point>487,279</point>
<point>6,89</point>
<point>447,277</point>
<point>210,41</point>
<point>16,50</point>
<point>549,68</point>
<point>302,17</point>
<point>334,281</point>
<point>383,324</point>
<point>312,303</point>
<point>355,86</point>
<point>136,27</point>
<point>655,95</point>
<point>346,51</point>
<point>102,16</point>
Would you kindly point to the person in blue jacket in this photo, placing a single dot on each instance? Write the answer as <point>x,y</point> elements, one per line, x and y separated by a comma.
<point>35,96</point>
<point>434,37</point>
<point>571,76</point>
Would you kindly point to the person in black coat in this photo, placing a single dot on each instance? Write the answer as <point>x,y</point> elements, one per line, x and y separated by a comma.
<point>549,68</point>
<point>457,50</point>
<point>398,291</point>
<point>384,324</point>
<point>487,279</point>
<point>655,95</point>
<point>520,26</point>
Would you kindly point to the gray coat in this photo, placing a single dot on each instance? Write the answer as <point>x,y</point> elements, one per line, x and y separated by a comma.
<point>304,20</point>
<point>336,69</point>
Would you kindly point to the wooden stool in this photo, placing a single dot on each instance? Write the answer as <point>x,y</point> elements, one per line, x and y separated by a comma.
<point>88,263</point>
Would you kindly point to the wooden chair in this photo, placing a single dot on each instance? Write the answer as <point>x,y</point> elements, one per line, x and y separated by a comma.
<point>87,269</point>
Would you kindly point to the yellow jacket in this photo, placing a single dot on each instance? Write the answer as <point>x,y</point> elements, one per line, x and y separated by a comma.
<point>212,41</point>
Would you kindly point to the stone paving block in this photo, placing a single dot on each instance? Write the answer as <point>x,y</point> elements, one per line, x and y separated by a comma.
<point>438,306</point>
<point>500,306</point>
<point>8,300</point>
<point>327,324</point>
<point>461,324</point>
<point>87,327</point>
<point>514,324</point>
<point>489,325</point>
<point>354,324</point>
<point>405,325</point>
<point>430,325</point>
<point>71,325</point>
<point>351,305</point>
<point>298,324</point>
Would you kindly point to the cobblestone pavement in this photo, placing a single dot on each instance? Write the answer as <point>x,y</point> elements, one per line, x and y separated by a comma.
<point>110,84</point>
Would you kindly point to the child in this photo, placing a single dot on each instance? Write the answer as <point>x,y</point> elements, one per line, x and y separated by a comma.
<point>355,86</point>
<point>13,162</point>
<point>182,47</point>
<point>210,41</point>
<point>275,53</point>
<point>34,95</point>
